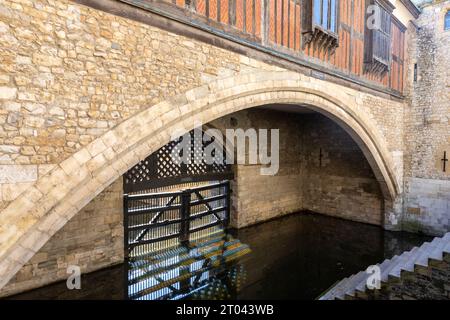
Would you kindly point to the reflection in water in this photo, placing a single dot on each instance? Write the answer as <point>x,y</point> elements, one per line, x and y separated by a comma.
<point>295,257</point>
<point>300,256</point>
<point>184,271</point>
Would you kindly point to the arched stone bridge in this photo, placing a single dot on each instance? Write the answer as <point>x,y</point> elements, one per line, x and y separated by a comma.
<point>29,221</point>
<point>86,95</point>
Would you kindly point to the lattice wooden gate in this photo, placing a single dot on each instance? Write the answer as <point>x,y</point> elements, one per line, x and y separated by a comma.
<point>159,170</point>
<point>160,220</point>
<point>166,202</point>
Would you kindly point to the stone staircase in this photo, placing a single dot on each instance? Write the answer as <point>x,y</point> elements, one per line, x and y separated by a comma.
<point>405,267</point>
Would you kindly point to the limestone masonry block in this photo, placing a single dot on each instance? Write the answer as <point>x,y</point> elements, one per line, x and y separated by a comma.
<point>18,173</point>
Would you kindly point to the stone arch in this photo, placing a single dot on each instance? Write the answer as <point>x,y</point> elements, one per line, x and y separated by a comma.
<point>29,221</point>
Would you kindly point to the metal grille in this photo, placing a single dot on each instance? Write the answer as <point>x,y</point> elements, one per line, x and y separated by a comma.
<point>159,169</point>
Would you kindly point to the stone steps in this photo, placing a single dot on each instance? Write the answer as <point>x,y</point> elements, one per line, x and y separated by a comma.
<point>407,261</point>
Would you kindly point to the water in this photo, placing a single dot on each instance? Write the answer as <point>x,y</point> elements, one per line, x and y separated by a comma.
<point>295,257</point>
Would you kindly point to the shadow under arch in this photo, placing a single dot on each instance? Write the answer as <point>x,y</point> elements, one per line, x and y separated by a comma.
<point>44,208</point>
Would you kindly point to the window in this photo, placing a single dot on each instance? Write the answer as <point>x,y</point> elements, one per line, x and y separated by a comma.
<point>447,21</point>
<point>377,50</point>
<point>415,72</point>
<point>320,21</point>
<point>324,13</point>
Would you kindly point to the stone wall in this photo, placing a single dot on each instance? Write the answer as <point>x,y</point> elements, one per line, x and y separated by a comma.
<point>259,197</point>
<point>69,73</point>
<point>92,240</point>
<point>338,180</point>
<point>342,184</point>
<point>427,124</point>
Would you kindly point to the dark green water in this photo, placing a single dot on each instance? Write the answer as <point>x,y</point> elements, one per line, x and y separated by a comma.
<point>295,257</point>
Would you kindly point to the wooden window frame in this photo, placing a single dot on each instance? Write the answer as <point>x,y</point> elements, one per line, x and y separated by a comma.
<point>372,62</point>
<point>319,25</point>
<point>314,32</point>
<point>447,20</point>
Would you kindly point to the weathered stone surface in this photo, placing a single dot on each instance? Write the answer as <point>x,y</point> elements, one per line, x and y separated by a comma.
<point>93,239</point>
<point>427,124</point>
<point>338,180</point>
<point>340,184</point>
<point>7,93</point>
<point>18,173</point>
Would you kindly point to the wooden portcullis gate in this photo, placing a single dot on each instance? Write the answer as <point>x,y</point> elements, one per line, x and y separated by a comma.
<point>168,202</point>
<point>156,221</point>
<point>175,215</point>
